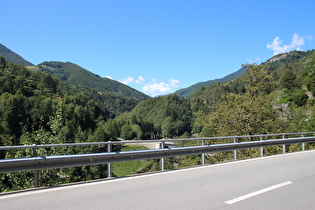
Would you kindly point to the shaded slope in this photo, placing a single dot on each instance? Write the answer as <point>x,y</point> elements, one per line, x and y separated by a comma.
<point>186,92</point>
<point>75,75</point>
<point>11,56</point>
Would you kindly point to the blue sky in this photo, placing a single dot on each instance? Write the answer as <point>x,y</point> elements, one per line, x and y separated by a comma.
<point>156,46</point>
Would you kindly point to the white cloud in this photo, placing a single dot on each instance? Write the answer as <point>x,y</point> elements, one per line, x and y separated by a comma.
<point>128,80</point>
<point>108,77</point>
<point>153,88</point>
<point>250,61</point>
<point>157,89</point>
<point>174,83</point>
<point>140,80</point>
<point>278,47</point>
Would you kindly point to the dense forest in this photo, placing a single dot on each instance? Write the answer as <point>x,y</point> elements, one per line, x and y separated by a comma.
<point>276,96</point>
<point>35,108</point>
<point>42,105</point>
<point>112,96</point>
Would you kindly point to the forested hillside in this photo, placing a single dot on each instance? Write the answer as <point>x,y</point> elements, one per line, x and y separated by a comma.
<point>164,116</point>
<point>186,92</point>
<point>34,101</point>
<point>112,96</point>
<point>75,75</point>
<point>276,96</point>
<point>36,108</point>
<point>9,55</point>
<point>31,100</point>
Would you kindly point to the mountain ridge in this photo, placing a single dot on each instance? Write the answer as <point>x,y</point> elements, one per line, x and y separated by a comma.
<point>73,74</point>
<point>56,68</point>
<point>186,92</point>
<point>9,55</point>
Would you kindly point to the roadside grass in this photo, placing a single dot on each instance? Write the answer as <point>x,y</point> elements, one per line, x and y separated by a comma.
<point>132,167</point>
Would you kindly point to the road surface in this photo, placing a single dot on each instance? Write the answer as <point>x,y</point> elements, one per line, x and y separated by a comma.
<point>279,182</point>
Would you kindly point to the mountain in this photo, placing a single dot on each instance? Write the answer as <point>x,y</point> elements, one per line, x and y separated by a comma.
<point>186,92</point>
<point>287,68</point>
<point>273,63</point>
<point>276,96</point>
<point>9,55</point>
<point>112,96</point>
<point>73,74</point>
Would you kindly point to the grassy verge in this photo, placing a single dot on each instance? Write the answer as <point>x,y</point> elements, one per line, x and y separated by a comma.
<point>132,167</point>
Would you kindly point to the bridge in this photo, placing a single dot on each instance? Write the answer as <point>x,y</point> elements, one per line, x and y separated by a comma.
<point>283,181</point>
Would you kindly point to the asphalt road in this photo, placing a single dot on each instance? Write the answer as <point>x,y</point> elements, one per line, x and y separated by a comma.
<point>279,182</point>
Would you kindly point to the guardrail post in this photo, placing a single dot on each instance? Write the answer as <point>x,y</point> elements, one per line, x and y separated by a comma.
<point>303,144</point>
<point>109,165</point>
<point>283,146</point>
<point>203,154</point>
<point>261,148</point>
<point>162,145</point>
<point>36,172</point>
<point>235,153</point>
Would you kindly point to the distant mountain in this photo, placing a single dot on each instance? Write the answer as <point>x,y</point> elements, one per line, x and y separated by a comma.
<point>186,92</point>
<point>9,55</point>
<point>73,74</point>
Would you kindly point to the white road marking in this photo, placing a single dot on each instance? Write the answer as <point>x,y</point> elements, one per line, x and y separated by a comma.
<point>235,200</point>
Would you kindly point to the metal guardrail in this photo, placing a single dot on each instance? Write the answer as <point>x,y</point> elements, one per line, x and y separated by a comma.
<point>34,146</point>
<point>49,162</point>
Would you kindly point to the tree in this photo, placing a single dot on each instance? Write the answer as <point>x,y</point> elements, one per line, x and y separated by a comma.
<point>288,80</point>
<point>258,81</point>
<point>137,131</point>
<point>111,128</point>
<point>127,132</point>
<point>3,63</point>
<point>309,76</point>
<point>245,114</point>
<point>167,127</point>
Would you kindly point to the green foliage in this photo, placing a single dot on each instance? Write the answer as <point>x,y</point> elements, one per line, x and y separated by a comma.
<point>241,115</point>
<point>127,132</point>
<point>288,80</point>
<point>166,116</point>
<point>246,105</point>
<point>309,73</point>
<point>33,111</point>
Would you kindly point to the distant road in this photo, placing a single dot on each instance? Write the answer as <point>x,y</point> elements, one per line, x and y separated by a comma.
<point>279,182</point>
